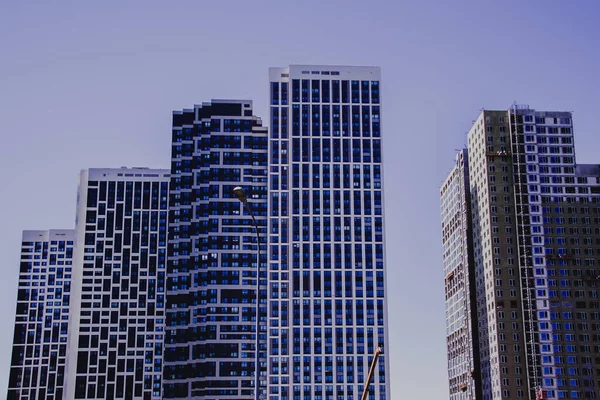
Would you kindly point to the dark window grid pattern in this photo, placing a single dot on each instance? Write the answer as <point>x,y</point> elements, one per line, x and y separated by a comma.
<point>332,203</point>
<point>120,351</point>
<point>335,215</point>
<point>280,121</point>
<point>40,336</point>
<point>210,342</point>
<point>331,176</point>
<point>320,152</point>
<point>280,206</point>
<point>204,275</point>
<point>323,151</point>
<point>571,248</point>
<point>328,121</point>
<point>329,91</point>
<point>335,313</point>
<point>328,312</point>
<point>279,152</point>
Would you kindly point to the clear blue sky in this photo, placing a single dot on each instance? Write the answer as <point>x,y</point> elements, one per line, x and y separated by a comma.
<point>92,84</point>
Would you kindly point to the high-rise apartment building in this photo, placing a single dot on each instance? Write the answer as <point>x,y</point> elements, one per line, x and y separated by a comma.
<point>210,345</point>
<point>536,244</point>
<point>41,326</point>
<point>461,313</point>
<point>326,282</point>
<point>118,298</point>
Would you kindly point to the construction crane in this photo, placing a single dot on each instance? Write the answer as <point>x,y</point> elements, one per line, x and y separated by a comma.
<point>378,351</point>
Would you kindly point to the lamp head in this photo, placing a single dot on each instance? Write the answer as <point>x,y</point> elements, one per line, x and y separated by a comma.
<point>238,191</point>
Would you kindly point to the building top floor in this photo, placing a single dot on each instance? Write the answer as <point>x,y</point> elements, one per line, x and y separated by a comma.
<point>324,72</point>
<point>128,174</point>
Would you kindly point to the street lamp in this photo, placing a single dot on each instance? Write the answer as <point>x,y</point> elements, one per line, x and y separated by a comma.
<point>239,192</point>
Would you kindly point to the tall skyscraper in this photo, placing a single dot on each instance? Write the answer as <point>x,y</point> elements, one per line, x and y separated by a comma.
<point>41,327</point>
<point>211,286</point>
<point>118,302</point>
<point>536,244</point>
<point>461,312</point>
<point>327,304</point>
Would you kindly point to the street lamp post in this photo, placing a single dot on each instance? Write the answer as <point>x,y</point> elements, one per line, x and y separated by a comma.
<point>241,196</point>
